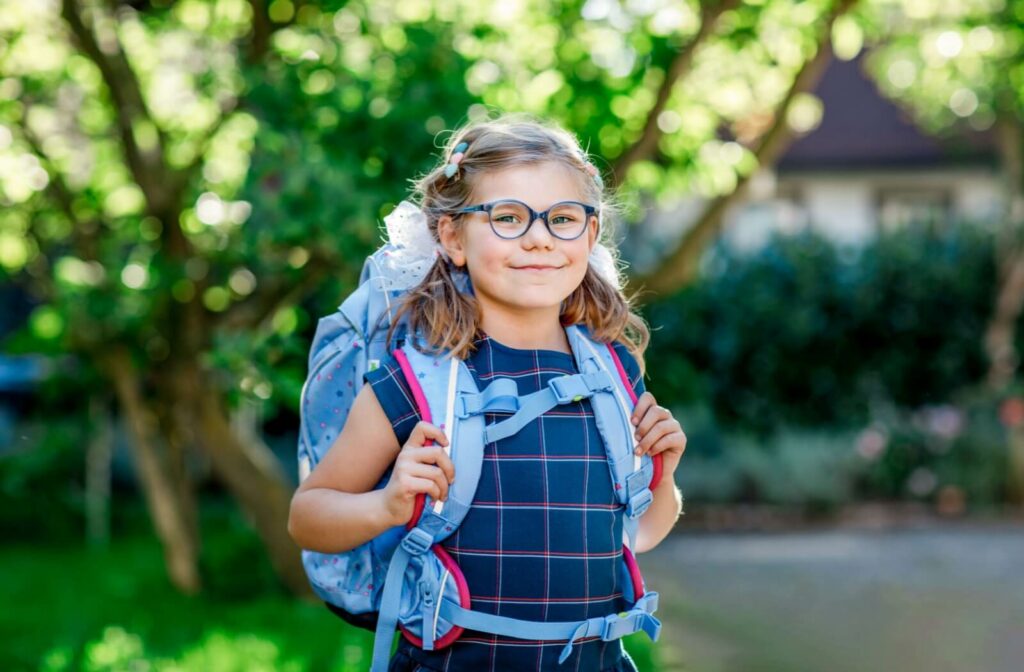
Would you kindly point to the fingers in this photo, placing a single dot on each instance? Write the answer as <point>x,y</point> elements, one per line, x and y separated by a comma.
<point>435,475</point>
<point>424,433</point>
<point>653,414</point>
<point>645,401</point>
<point>431,455</point>
<point>674,441</point>
<point>413,485</point>
<point>659,430</point>
<point>417,452</point>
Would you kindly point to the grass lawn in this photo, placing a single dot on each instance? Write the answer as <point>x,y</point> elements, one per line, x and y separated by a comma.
<point>67,607</point>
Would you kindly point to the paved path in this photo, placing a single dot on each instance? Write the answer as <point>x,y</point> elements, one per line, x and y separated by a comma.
<point>936,599</point>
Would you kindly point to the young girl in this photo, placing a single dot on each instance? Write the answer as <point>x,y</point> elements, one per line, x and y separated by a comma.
<point>517,206</point>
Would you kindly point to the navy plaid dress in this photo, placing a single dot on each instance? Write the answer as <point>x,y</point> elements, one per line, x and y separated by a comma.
<point>543,538</point>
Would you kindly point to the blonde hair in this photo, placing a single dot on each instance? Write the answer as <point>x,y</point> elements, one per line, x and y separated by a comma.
<point>449,319</point>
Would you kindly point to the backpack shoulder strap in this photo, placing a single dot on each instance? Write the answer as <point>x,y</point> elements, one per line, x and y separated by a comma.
<point>632,475</point>
<point>437,383</point>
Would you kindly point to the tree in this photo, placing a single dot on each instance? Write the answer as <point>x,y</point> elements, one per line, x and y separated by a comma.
<point>956,67</point>
<point>185,183</point>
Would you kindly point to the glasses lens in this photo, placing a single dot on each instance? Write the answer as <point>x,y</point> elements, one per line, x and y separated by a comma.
<point>509,219</point>
<point>567,220</point>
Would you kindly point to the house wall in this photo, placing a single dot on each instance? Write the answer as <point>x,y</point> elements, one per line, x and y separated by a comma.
<point>853,207</point>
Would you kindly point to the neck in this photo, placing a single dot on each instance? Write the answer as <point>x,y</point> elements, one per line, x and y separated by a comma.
<point>527,332</point>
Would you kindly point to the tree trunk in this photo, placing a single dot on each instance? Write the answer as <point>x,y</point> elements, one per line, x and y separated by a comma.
<point>161,493</point>
<point>680,266</point>
<point>1009,301</point>
<point>250,471</point>
<point>1000,335</point>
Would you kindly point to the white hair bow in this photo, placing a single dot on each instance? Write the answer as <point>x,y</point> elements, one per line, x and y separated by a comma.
<point>414,249</point>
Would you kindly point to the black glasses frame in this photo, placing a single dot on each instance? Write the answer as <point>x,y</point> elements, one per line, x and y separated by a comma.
<point>588,210</point>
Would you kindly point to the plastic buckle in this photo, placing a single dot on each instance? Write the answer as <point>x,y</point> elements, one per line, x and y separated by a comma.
<point>638,503</point>
<point>651,625</point>
<point>648,602</point>
<point>619,625</point>
<point>467,405</point>
<point>418,541</point>
<point>598,381</point>
<point>568,389</point>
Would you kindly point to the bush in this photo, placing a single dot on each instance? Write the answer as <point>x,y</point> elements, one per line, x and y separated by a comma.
<point>806,334</point>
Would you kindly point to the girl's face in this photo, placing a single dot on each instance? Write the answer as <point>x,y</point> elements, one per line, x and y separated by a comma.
<point>532,274</point>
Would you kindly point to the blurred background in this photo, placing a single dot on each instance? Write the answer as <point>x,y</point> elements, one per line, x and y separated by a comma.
<point>824,221</point>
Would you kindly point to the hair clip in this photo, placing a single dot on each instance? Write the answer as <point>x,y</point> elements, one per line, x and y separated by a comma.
<point>457,155</point>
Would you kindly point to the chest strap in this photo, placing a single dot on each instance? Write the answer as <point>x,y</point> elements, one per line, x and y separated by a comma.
<point>500,396</point>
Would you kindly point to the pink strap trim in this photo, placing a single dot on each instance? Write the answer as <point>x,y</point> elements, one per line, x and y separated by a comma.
<point>414,385</point>
<point>634,573</point>
<point>424,409</point>
<point>464,601</point>
<point>658,460</point>
<point>622,373</point>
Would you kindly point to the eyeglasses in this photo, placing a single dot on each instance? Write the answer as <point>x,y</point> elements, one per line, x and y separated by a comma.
<point>510,219</point>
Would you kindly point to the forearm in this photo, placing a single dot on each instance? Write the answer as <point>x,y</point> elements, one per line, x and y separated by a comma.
<point>660,516</point>
<point>331,521</point>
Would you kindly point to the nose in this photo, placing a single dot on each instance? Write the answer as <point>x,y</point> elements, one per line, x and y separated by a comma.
<point>538,236</point>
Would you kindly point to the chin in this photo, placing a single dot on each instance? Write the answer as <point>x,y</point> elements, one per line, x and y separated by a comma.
<point>536,297</point>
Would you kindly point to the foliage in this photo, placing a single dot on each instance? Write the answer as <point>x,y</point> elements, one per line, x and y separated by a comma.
<point>808,334</point>
<point>814,468</point>
<point>114,610</point>
<point>950,456</point>
<point>297,154</point>
<point>41,482</point>
<point>952,63</point>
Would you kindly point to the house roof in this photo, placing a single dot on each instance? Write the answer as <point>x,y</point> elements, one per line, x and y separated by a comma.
<point>862,129</point>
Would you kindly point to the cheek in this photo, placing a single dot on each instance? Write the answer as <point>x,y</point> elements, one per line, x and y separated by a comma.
<point>484,258</point>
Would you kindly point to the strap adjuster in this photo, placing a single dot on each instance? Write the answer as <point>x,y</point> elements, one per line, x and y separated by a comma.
<point>619,625</point>
<point>418,541</point>
<point>568,389</point>
<point>638,503</point>
<point>598,381</point>
<point>501,395</point>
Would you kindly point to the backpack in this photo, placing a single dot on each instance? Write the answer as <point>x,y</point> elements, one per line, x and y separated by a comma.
<point>404,577</point>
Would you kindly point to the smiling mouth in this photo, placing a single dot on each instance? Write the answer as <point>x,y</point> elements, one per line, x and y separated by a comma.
<point>536,268</point>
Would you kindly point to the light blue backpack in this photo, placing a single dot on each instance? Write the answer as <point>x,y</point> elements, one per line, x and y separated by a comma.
<point>404,577</point>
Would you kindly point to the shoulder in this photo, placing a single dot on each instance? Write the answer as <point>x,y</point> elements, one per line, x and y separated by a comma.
<point>392,390</point>
<point>631,367</point>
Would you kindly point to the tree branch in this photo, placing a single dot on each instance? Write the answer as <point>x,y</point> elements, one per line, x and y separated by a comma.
<point>262,30</point>
<point>274,294</point>
<point>647,144</point>
<point>680,266</point>
<point>148,168</point>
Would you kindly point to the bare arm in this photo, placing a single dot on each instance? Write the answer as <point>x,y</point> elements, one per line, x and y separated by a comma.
<point>660,516</point>
<point>658,432</point>
<point>336,509</point>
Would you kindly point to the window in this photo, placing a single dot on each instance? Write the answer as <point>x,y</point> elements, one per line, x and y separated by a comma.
<point>898,207</point>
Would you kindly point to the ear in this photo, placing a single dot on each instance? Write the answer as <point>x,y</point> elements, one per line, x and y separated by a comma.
<point>451,241</point>
<point>593,229</point>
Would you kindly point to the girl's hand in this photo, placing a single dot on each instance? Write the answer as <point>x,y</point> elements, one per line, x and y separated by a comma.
<point>419,469</point>
<point>658,432</point>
